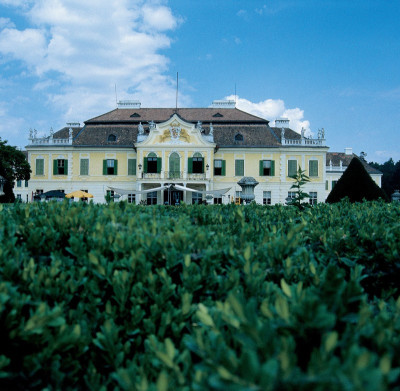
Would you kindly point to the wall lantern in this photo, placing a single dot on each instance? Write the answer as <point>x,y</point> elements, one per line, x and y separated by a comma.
<point>207,167</point>
<point>140,166</point>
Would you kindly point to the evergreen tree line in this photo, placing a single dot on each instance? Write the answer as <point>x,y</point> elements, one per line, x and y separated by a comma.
<point>391,175</point>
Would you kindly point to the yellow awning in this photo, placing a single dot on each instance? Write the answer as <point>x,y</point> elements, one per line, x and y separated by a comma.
<point>79,194</point>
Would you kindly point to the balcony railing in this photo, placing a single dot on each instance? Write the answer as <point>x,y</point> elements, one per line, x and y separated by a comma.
<point>50,141</point>
<point>173,175</point>
<point>196,177</point>
<point>151,175</point>
<point>309,142</point>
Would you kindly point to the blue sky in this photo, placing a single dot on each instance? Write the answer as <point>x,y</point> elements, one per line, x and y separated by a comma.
<point>323,64</point>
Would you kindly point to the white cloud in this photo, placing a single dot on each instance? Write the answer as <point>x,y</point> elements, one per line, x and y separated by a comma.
<point>91,45</point>
<point>272,109</point>
<point>6,22</point>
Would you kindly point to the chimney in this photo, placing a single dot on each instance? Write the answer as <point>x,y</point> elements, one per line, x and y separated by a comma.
<point>282,123</point>
<point>129,104</point>
<point>348,151</point>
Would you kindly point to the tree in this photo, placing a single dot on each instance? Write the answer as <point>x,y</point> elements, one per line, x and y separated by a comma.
<point>300,179</point>
<point>356,184</point>
<point>391,175</point>
<point>13,166</point>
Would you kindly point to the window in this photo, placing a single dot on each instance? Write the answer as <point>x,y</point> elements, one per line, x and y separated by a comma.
<point>333,184</point>
<point>174,166</point>
<point>326,185</point>
<point>196,164</point>
<point>39,167</point>
<point>39,191</point>
<point>239,167</point>
<point>219,167</point>
<point>218,115</point>
<point>131,198</point>
<point>313,197</point>
<point>152,198</point>
<point>238,197</point>
<point>19,183</point>
<point>291,195</point>
<point>112,137</point>
<point>110,195</point>
<point>218,200</point>
<point>197,198</point>
<point>152,164</point>
<point>267,167</point>
<point>313,168</point>
<point>26,183</point>
<point>135,115</point>
<point>60,167</point>
<point>131,166</point>
<point>19,197</point>
<point>238,138</point>
<point>266,198</point>
<point>292,167</point>
<point>84,170</point>
<point>110,167</point>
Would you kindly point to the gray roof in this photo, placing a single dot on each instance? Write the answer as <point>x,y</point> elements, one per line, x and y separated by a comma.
<point>97,135</point>
<point>64,132</point>
<point>336,157</point>
<point>207,115</point>
<point>227,123</point>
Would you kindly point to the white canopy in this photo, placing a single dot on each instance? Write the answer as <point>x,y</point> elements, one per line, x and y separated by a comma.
<point>214,193</point>
<point>126,191</point>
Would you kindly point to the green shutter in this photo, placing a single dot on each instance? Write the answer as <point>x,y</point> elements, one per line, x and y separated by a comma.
<point>292,167</point>
<point>202,166</point>
<point>104,167</point>
<point>313,167</point>
<point>131,166</point>
<point>272,167</point>
<point>55,167</point>
<point>326,185</point>
<point>65,167</point>
<point>115,167</point>
<point>223,169</point>
<point>159,164</point>
<point>261,172</point>
<point>84,167</point>
<point>239,167</point>
<point>39,167</point>
<point>145,165</point>
<point>190,165</point>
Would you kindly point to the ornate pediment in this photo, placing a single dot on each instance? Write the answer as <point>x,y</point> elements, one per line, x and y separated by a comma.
<point>175,134</point>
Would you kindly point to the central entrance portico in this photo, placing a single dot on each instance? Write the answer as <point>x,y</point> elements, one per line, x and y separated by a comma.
<point>173,196</point>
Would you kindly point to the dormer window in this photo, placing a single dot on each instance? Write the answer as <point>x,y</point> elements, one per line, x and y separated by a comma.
<point>112,137</point>
<point>218,115</point>
<point>238,138</point>
<point>135,115</point>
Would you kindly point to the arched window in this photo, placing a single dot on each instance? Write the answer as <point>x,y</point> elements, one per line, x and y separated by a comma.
<point>198,163</point>
<point>112,137</point>
<point>238,138</point>
<point>151,165</point>
<point>174,165</point>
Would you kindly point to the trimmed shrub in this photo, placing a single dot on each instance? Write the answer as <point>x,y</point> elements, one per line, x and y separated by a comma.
<point>357,185</point>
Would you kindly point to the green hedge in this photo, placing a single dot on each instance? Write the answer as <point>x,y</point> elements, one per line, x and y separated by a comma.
<point>122,297</point>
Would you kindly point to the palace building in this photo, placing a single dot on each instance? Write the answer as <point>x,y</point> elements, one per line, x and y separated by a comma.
<point>167,155</point>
